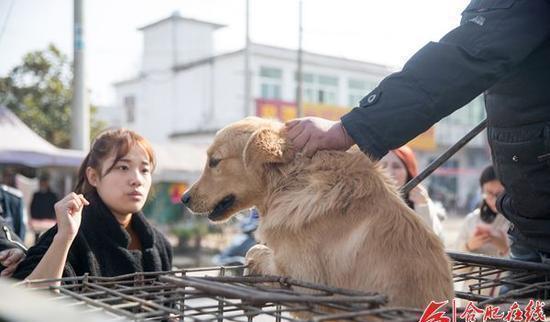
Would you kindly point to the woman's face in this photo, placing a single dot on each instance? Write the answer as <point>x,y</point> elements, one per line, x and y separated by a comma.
<point>395,167</point>
<point>491,190</point>
<point>125,188</point>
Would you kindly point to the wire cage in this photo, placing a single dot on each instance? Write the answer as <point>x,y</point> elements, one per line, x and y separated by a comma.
<point>223,294</point>
<point>499,282</point>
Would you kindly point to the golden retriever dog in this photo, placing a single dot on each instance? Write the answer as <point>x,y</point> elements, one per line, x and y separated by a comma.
<point>334,219</point>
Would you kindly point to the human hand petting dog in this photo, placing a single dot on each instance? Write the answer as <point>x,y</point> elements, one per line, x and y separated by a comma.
<point>311,134</point>
<point>10,259</point>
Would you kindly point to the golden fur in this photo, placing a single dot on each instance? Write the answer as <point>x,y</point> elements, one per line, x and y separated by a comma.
<point>335,219</point>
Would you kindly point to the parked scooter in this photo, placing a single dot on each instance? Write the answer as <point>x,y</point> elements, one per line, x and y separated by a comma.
<point>235,253</point>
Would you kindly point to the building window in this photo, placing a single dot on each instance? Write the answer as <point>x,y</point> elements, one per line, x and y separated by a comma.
<point>357,89</point>
<point>271,83</point>
<point>130,108</point>
<point>321,89</point>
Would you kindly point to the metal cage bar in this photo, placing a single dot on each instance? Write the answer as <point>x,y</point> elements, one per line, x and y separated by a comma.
<point>222,294</point>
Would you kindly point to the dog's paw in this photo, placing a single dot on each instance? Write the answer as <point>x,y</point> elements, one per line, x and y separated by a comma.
<point>257,259</point>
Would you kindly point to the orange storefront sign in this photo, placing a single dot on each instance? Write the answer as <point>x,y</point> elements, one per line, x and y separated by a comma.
<point>284,111</point>
<point>425,141</point>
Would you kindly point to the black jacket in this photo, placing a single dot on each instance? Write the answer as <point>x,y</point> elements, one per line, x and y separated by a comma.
<point>101,246</point>
<point>12,209</point>
<point>502,48</point>
<point>8,239</point>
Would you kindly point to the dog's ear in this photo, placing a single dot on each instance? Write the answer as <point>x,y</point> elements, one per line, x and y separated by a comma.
<point>266,145</point>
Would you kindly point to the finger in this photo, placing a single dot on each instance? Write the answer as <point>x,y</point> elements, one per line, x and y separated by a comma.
<point>483,235</point>
<point>295,132</point>
<point>10,259</point>
<point>310,148</point>
<point>301,140</point>
<point>8,271</point>
<point>4,254</point>
<point>83,200</point>
<point>18,256</point>
<point>74,206</point>
<point>290,124</point>
<point>71,196</point>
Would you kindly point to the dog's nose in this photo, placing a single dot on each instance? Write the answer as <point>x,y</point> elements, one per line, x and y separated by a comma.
<point>186,198</point>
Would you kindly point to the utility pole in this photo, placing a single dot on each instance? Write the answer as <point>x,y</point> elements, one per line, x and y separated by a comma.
<point>80,116</point>
<point>247,111</point>
<point>299,73</point>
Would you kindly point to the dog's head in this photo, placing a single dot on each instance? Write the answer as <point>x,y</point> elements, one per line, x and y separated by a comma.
<point>234,175</point>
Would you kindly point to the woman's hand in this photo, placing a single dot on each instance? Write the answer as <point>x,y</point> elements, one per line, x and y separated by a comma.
<point>419,195</point>
<point>477,241</point>
<point>10,258</point>
<point>68,212</point>
<point>499,238</point>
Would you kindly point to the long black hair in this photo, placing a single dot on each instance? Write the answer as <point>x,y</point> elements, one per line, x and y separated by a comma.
<point>485,212</point>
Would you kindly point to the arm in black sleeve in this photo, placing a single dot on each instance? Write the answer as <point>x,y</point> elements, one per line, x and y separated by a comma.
<point>35,254</point>
<point>493,38</point>
<point>8,239</point>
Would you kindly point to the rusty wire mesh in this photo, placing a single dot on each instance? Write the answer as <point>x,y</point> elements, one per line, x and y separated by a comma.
<point>223,294</point>
<point>494,281</point>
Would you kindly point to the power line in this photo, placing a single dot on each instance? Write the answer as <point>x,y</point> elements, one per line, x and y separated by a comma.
<point>7,19</point>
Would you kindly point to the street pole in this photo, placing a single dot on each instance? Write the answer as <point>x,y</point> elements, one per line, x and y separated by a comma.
<point>80,116</point>
<point>247,62</point>
<point>299,73</point>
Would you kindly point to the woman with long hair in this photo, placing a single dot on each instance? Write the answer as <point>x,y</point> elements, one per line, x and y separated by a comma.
<point>100,228</point>
<point>484,230</point>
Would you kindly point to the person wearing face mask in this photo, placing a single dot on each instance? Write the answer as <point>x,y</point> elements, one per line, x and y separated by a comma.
<point>402,167</point>
<point>484,231</point>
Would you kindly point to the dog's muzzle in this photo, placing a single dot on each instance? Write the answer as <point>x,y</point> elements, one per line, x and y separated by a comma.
<point>221,207</point>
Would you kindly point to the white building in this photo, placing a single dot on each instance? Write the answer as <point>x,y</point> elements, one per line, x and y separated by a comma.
<point>185,92</point>
<point>184,87</point>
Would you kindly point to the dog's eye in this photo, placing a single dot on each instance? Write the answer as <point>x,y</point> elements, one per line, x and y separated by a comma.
<point>213,162</point>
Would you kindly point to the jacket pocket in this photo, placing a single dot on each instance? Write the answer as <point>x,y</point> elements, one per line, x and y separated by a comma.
<point>526,176</point>
<point>481,27</point>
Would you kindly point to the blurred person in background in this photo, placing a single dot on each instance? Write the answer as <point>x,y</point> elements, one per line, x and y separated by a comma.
<point>42,207</point>
<point>484,230</point>
<point>402,167</point>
